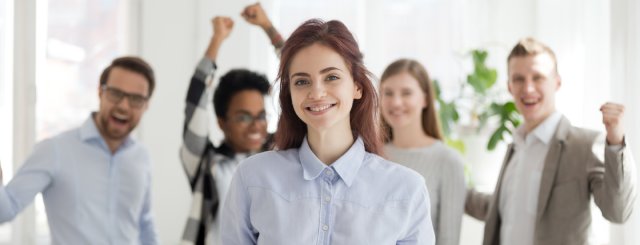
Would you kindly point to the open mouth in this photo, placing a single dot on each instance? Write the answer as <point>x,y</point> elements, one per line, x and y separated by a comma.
<point>255,136</point>
<point>319,108</point>
<point>530,102</point>
<point>119,119</point>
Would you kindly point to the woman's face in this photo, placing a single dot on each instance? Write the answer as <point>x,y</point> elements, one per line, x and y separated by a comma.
<point>322,88</point>
<point>402,100</point>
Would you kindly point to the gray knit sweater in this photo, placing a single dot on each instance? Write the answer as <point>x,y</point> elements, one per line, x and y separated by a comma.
<point>443,171</point>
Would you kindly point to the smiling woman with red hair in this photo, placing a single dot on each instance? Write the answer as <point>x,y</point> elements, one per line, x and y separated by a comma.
<point>326,184</point>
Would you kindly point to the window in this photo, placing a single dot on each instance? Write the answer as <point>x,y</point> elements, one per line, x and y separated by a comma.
<point>81,38</point>
<point>6,102</point>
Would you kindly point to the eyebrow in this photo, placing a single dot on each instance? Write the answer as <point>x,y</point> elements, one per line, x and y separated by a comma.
<point>325,70</point>
<point>125,92</point>
<point>247,112</point>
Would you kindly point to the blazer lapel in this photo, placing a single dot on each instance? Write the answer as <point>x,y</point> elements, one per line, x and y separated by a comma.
<point>507,159</point>
<point>493,221</point>
<point>551,162</point>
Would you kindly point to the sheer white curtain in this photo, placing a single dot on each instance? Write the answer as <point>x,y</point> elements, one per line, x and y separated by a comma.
<point>625,60</point>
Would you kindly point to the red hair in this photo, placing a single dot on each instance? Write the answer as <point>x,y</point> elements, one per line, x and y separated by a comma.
<point>364,116</point>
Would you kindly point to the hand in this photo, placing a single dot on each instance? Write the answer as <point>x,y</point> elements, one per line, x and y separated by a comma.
<point>612,115</point>
<point>255,15</point>
<point>222,27</point>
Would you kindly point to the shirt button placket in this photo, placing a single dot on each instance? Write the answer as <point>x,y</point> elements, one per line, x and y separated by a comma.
<point>326,205</point>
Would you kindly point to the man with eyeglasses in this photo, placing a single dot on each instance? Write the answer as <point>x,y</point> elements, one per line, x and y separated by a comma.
<point>238,102</point>
<point>95,179</point>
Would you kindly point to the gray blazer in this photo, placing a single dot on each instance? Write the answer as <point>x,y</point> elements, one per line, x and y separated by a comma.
<point>572,175</point>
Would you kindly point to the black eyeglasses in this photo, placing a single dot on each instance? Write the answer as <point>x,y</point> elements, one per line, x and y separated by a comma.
<point>248,119</point>
<point>116,95</point>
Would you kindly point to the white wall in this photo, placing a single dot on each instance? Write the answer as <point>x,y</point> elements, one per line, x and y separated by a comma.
<point>174,35</point>
<point>167,42</point>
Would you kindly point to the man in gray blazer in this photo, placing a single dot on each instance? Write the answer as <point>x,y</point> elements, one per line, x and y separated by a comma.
<point>552,169</point>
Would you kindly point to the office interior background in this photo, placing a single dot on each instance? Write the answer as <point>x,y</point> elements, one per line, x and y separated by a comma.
<point>54,50</point>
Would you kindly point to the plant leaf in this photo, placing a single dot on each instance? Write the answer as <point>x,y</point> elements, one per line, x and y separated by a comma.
<point>456,144</point>
<point>496,137</point>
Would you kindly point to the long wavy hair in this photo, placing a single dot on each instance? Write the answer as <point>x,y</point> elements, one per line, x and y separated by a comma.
<point>364,116</point>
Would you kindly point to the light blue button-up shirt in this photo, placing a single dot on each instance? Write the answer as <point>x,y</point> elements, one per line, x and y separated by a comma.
<point>91,195</point>
<point>291,197</point>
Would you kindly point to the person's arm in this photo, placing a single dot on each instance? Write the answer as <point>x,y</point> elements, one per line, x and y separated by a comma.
<point>614,188</point>
<point>222,27</point>
<point>195,135</point>
<point>148,234</point>
<point>420,228</point>
<point>477,204</point>
<point>451,207</point>
<point>35,175</point>
<point>235,224</point>
<point>255,15</point>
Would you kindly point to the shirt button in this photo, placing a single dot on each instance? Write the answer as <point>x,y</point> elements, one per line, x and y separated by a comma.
<point>327,198</point>
<point>325,227</point>
<point>328,172</point>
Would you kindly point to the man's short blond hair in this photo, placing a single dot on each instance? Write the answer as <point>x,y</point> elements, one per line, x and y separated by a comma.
<point>530,46</point>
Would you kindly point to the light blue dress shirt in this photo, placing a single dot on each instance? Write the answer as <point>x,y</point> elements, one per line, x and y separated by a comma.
<point>291,197</point>
<point>91,195</point>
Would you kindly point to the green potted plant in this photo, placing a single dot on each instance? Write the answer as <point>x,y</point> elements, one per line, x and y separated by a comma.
<point>481,101</point>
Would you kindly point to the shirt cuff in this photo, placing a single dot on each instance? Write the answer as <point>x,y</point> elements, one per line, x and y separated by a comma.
<point>618,147</point>
<point>207,66</point>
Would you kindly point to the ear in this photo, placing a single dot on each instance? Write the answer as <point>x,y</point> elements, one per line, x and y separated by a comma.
<point>558,82</point>
<point>357,93</point>
<point>509,86</point>
<point>222,125</point>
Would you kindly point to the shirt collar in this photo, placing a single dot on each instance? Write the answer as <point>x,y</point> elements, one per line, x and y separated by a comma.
<point>89,131</point>
<point>346,166</point>
<point>543,132</point>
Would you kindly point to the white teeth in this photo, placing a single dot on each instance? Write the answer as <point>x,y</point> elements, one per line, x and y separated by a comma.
<point>255,136</point>
<point>319,108</point>
<point>121,117</point>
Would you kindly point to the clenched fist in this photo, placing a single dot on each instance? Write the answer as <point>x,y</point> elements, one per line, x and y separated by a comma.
<point>612,115</point>
<point>255,15</point>
<point>222,27</point>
